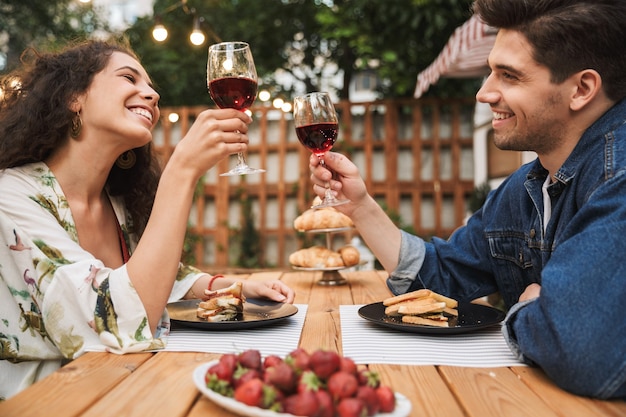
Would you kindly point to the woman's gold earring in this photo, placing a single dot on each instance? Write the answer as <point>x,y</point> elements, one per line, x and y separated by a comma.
<point>126,160</point>
<point>77,125</point>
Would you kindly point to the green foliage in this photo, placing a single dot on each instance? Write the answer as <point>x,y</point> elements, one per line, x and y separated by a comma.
<point>402,36</point>
<point>478,197</point>
<point>192,239</point>
<point>44,25</point>
<point>189,247</point>
<point>177,68</point>
<point>305,39</point>
<point>247,237</point>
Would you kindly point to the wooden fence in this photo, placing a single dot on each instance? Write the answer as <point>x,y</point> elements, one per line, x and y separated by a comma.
<point>416,157</point>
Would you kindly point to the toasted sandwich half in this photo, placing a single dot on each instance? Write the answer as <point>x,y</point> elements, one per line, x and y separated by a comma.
<point>223,304</point>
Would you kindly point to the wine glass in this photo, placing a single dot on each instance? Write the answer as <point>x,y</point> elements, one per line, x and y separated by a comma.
<point>316,126</point>
<point>232,83</point>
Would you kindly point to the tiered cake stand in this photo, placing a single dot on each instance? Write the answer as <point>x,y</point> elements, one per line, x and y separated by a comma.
<point>330,275</point>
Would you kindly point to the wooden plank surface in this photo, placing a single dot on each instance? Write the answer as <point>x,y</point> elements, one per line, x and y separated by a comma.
<point>163,386</point>
<point>423,386</point>
<point>160,385</point>
<point>493,392</point>
<point>367,287</point>
<point>322,325</point>
<point>564,403</point>
<point>86,380</point>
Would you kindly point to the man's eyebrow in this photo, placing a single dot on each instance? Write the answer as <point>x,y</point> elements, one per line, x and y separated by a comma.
<point>508,68</point>
<point>136,72</point>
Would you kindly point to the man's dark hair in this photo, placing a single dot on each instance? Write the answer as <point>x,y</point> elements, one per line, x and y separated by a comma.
<point>568,35</point>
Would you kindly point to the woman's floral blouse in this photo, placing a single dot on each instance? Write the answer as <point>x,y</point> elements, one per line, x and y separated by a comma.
<point>56,300</point>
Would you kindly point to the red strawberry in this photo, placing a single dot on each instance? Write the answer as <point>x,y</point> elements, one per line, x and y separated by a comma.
<point>325,401</point>
<point>342,385</point>
<point>367,377</point>
<point>309,382</point>
<point>221,370</point>
<point>281,376</point>
<point>271,360</point>
<point>230,360</point>
<point>369,397</point>
<point>257,394</point>
<point>324,363</point>
<point>298,359</point>
<point>386,399</point>
<point>242,375</point>
<point>348,365</point>
<point>351,407</point>
<point>301,404</point>
<point>251,359</point>
<point>218,385</point>
<point>250,392</point>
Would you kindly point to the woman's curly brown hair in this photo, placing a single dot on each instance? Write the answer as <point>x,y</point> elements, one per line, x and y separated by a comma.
<point>35,118</point>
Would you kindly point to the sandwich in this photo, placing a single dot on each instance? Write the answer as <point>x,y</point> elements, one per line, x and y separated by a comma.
<point>423,307</point>
<point>223,304</point>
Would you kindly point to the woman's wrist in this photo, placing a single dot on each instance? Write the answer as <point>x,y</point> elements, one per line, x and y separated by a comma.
<point>197,289</point>
<point>212,281</point>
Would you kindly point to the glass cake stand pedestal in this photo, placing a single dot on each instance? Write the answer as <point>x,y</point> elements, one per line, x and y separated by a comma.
<point>330,275</point>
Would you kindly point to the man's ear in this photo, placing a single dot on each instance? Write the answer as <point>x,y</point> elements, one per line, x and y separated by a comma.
<point>587,84</point>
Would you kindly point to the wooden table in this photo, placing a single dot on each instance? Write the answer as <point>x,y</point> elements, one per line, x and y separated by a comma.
<point>160,384</point>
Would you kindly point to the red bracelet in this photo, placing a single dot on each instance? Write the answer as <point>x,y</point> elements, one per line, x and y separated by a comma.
<point>213,278</point>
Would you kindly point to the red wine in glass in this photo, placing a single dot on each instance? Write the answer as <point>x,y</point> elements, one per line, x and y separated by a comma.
<point>232,83</point>
<point>317,126</point>
<point>233,92</point>
<point>319,138</point>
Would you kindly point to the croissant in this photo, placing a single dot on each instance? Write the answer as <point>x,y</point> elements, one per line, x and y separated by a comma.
<point>321,257</point>
<point>325,218</point>
<point>316,257</point>
<point>350,255</point>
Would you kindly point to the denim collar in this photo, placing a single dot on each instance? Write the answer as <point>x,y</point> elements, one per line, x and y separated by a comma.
<point>602,127</point>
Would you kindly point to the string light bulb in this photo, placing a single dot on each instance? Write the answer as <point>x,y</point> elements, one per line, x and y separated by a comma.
<point>197,37</point>
<point>159,32</point>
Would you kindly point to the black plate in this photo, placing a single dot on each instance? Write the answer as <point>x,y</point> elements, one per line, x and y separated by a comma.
<point>256,313</point>
<point>471,317</point>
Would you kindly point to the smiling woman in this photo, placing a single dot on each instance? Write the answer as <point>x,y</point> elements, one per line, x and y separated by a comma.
<point>92,229</point>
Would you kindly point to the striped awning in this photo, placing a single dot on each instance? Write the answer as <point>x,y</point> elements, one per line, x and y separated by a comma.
<point>464,56</point>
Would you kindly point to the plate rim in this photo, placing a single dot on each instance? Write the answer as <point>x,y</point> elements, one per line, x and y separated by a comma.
<point>403,404</point>
<point>417,328</point>
<point>235,325</point>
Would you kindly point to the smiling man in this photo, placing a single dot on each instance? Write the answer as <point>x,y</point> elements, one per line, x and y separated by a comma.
<point>550,239</point>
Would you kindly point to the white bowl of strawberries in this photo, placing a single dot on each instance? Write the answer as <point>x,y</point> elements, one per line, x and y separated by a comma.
<point>319,384</point>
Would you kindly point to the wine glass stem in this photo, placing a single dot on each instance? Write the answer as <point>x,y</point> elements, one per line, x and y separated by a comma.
<point>328,195</point>
<point>241,161</point>
<point>327,184</point>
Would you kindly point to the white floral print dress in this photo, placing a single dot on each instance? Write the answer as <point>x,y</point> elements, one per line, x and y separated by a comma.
<point>56,299</point>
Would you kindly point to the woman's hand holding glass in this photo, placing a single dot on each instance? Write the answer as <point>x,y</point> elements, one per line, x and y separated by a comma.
<point>232,83</point>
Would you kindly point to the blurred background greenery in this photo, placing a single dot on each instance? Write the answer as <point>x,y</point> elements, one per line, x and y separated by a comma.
<point>298,45</point>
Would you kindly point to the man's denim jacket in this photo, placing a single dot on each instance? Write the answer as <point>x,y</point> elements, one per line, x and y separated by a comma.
<point>575,331</point>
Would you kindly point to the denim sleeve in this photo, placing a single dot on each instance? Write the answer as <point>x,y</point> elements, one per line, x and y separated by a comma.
<point>458,267</point>
<point>412,252</point>
<point>509,334</point>
<point>574,330</point>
